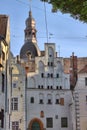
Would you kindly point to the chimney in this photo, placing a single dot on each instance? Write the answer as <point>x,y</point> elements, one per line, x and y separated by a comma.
<point>73,71</point>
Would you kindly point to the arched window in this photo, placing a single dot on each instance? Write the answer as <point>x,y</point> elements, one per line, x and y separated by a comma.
<point>49,98</point>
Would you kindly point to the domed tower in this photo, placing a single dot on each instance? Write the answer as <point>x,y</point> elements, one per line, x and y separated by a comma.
<point>30,46</point>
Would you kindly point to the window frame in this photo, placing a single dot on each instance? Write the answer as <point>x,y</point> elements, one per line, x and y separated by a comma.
<point>49,122</point>
<point>32,100</point>
<point>15,125</point>
<point>14,104</point>
<point>64,122</point>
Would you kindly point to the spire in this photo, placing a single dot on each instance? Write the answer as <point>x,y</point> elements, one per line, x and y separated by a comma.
<point>30,30</point>
<point>30,44</point>
<point>30,4</point>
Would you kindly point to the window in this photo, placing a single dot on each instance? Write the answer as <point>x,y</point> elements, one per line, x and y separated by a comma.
<point>49,122</point>
<point>57,75</point>
<point>32,100</point>
<point>86,99</point>
<point>47,87</point>
<point>48,63</point>
<point>39,86</point>
<point>60,87</point>
<point>49,99</point>
<point>42,75</point>
<point>15,125</point>
<point>57,101</point>
<point>57,87</point>
<point>14,103</point>
<point>42,86</point>
<point>3,80</point>
<point>64,122</point>
<point>51,63</point>
<point>48,75</point>
<point>14,85</point>
<point>41,98</point>
<point>51,75</point>
<point>41,101</point>
<point>2,118</point>
<point>86,81</point>
<point>51,87</point>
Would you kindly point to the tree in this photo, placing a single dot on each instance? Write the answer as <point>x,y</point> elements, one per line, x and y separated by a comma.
<point>77,8</point>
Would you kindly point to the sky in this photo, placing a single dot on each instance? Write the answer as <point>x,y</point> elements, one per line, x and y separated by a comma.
<point>68,34</point>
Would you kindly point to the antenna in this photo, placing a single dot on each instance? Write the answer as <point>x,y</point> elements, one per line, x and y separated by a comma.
<point>59,50</point>
<point>30,4</point>
<point>46,21</point>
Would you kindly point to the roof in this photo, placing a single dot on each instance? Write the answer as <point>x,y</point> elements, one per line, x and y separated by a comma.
<point>3,25</point>
<point>28,47</point>
<point>84,70</point>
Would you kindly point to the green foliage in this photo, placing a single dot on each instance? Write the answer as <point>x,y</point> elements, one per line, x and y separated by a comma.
<point>77,8</point>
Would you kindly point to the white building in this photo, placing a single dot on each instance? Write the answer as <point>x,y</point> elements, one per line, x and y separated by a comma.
<point>48,95</point>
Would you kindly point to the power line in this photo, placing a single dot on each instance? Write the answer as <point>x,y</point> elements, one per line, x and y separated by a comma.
<point>46,21</point>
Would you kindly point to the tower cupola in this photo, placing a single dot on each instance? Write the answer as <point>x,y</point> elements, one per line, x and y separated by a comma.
<point>30,30</point>
<point>30,44</point>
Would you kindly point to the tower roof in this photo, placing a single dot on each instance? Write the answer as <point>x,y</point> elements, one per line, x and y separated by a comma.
<point>30,46</point>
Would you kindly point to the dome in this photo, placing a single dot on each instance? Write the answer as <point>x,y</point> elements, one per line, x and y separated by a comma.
<point>28,47</point>
<point>30,20</point>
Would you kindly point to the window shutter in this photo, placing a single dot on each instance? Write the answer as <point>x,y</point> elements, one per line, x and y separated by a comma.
<point>61,101</point>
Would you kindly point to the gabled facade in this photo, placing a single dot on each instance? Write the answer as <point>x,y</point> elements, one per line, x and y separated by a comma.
<point>48,95</point>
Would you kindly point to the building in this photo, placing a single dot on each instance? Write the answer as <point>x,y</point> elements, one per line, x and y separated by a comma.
<point>39,89</point>
<point>48,96</point>
<point>17,99</point>
<point>80,97</point>
<point>4,67</point>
